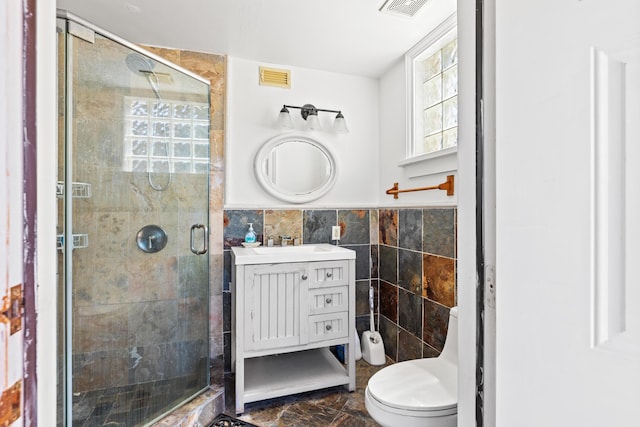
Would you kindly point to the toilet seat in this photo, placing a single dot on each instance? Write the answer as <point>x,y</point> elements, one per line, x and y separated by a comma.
<point>411,387</point>
<point>382,409</point>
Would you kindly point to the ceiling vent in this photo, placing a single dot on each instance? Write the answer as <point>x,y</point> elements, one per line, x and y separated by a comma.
<point>275,77</point>
<point>406,8</point>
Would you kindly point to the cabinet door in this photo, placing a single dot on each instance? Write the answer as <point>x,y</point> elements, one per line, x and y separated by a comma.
<point>328,273</point>
<point>275,301</point>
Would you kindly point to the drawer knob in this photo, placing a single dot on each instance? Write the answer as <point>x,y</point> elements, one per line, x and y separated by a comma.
<point>328,300</point>
<point>304,277</point>
<point>329,274</point>
<point>328,327</point>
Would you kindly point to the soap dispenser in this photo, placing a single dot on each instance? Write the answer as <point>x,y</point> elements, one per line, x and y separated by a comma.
<point>250,237</point>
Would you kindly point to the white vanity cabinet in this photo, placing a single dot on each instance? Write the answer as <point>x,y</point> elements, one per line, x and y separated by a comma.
<point>289,305</point>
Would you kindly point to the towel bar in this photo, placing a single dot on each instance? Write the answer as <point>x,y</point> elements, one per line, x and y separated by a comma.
<point>447,185</point>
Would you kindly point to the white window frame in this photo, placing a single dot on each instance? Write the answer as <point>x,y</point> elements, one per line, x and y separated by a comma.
<point>444,160</point>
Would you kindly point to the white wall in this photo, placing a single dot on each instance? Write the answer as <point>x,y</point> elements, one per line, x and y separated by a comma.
<point>250,121</point>
<point>393,124</point>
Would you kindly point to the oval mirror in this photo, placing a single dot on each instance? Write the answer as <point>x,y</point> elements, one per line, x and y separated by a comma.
<point>295,168</point>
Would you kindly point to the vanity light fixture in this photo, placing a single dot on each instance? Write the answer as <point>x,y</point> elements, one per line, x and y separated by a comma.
<point>284,119</point>
<point>310,114</point>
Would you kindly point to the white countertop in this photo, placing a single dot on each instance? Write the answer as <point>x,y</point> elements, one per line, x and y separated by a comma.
<point>301,253</point>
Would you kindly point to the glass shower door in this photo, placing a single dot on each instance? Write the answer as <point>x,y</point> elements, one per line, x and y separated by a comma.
<point>133,243</point>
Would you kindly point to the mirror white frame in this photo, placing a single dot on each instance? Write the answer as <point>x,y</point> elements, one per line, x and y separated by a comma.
<point>264,164</point>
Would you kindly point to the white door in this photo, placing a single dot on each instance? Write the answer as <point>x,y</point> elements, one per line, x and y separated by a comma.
<point>568,213</point>
<point>12,342</point>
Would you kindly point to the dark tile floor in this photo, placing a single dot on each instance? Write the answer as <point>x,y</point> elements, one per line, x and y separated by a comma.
<point>132,405</point>
<point>332,407</point>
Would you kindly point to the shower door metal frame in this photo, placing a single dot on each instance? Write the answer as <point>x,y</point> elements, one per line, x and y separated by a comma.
<point>68,18</point>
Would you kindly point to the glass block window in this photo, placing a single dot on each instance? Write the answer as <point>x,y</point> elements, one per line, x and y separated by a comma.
<point>439,106</point>
<point>432,70</point>
<point>165,136</point>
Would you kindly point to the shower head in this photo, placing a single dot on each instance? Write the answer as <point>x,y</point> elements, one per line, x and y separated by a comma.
<point>143,66</point>
<point>138,64</point>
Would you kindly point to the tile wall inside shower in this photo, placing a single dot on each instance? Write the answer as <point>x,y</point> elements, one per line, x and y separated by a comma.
<point>126,302</point>
<point>128,354</point>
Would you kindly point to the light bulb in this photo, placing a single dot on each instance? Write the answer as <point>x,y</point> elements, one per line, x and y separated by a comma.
<point>313,123</point>
<point>340,124</point>
<point>284,119</point>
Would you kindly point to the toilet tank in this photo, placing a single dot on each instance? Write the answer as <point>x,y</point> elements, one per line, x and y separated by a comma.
<point>450,350</point>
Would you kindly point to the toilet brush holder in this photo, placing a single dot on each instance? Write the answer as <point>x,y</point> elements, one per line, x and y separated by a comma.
<point>373,348</point>
<point>372,345</point>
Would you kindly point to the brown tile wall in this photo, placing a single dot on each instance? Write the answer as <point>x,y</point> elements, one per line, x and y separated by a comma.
<point>417,280</point>
<point>214,68</point>
<point>407,255</point>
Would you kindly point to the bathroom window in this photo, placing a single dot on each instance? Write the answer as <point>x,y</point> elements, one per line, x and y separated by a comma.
<point>165,136</point>
<point>432,97</point>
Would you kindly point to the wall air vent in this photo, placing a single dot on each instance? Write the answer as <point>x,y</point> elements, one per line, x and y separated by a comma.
<point>406,8</point>
<point>275,77</point>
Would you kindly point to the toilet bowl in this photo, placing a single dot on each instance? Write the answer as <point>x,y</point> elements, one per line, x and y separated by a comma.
<point>418,393</point>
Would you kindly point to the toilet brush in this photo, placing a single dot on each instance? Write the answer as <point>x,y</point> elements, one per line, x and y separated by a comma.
<point>372,345</point>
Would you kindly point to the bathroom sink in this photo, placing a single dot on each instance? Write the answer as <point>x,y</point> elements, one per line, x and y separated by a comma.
<point>271,254</point>
<point>292,249</point>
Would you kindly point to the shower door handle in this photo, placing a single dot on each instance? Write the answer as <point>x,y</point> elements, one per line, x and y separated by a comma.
<point>205,247</point>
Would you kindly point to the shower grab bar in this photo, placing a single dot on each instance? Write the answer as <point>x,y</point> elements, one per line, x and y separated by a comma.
<point>205,240</point>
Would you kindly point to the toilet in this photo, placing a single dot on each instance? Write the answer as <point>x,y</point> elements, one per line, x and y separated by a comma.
<point>418,393</point>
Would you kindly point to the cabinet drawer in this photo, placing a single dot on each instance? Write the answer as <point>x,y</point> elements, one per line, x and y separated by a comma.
<point>328,326</point>
<point>328,300</point>
<point>329,273</point>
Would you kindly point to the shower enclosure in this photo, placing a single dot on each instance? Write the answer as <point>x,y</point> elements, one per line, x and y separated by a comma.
<point>133,186</point>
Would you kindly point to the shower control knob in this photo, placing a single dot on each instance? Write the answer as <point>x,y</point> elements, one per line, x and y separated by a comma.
<point>151,239</point>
